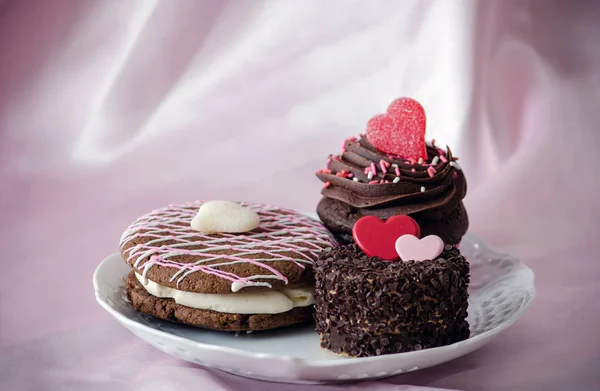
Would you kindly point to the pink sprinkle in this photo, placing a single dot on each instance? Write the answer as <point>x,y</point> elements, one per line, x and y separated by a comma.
<point>344,174</point>
<point>454,175</point>
<point>443,159</point>
<point>426,164</point>
<point>344,145</point>
<point>413,170</point>
<point>412,161</point>
<point>373,182</point>
<point>350,175</point>
<point>431,171</point>
<point>367,169</point>
<point>383,169</point>
<point>373,168</point>
<point>327,184</point>
<point>352,139</point>
<point>329,161</point>
<point>397,171</point>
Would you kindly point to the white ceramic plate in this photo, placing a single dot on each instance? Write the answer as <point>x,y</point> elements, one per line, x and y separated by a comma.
<point>501,289</point>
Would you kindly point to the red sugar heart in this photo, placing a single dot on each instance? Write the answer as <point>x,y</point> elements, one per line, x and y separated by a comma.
<point>378,238</point>
<point>401,130</point>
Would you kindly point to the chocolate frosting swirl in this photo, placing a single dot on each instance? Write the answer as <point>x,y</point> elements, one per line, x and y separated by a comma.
<point>419,188</point>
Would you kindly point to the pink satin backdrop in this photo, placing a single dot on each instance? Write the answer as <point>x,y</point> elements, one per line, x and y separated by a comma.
<point>111,108</point>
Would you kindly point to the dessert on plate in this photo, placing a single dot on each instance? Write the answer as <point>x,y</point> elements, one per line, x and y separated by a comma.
<point>392,171</point>
<point>390,291</point>
<point>224,266</point>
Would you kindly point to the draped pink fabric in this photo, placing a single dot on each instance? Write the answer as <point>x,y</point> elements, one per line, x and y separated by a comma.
<point>111,108</point>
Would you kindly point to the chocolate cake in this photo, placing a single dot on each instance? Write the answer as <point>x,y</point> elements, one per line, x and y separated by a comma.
<point>367,306</point>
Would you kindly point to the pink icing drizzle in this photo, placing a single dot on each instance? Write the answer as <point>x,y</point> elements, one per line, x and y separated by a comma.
<point>304,237</point>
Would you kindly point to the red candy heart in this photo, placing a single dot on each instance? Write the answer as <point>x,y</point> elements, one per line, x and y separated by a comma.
<point>378,239</point>
<point>401,130</point>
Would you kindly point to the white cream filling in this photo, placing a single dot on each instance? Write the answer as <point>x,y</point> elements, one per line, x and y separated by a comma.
<point>264,302</point>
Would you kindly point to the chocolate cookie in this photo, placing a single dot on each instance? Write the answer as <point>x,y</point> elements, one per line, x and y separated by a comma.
<point>167,309</point>
<point>253,280</point>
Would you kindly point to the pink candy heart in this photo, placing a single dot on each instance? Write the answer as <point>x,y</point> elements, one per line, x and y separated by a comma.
<point>411,248</point>
<point>401,130</point>
<point>377,238</point>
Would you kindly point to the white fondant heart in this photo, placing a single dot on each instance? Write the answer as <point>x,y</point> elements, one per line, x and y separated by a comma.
<point>224,216</point>
<point>411,248</point>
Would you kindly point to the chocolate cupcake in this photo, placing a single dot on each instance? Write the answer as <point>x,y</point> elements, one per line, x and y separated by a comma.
<point>367,306</point>
<point>224,266</point>
<point>390,171</point>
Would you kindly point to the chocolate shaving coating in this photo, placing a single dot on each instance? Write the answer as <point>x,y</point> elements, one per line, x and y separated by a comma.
<point>366,306</point>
